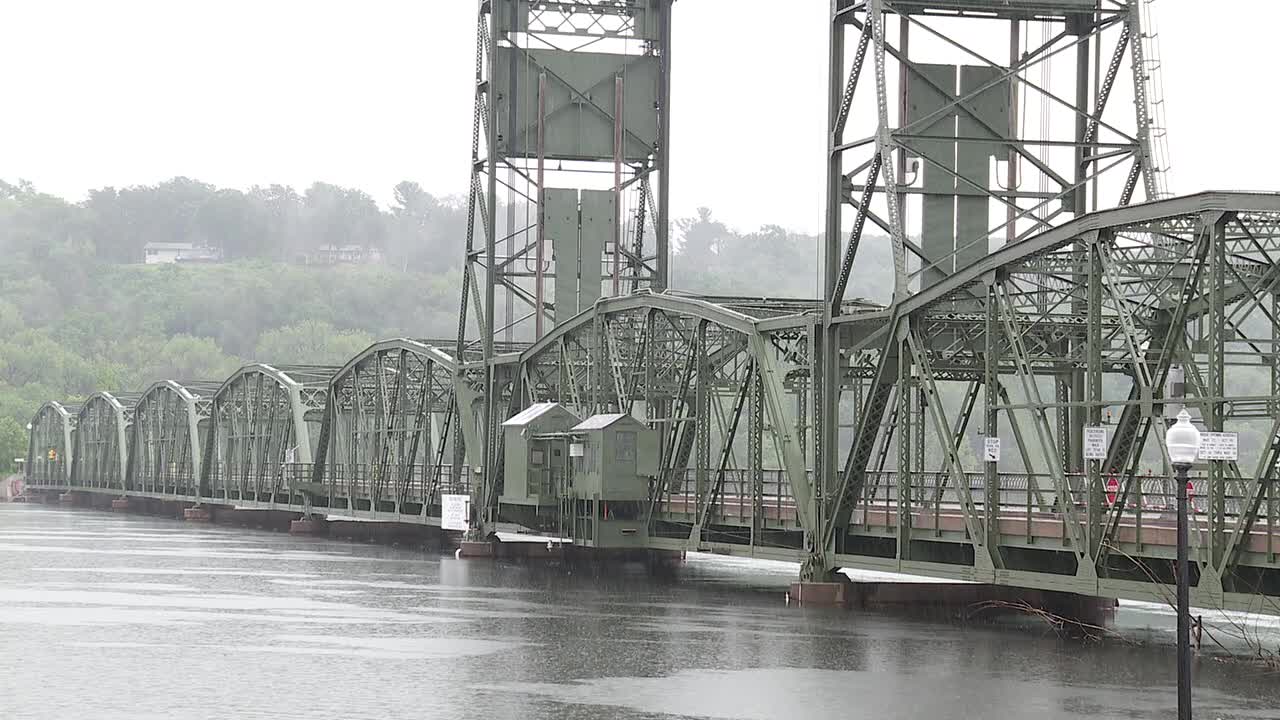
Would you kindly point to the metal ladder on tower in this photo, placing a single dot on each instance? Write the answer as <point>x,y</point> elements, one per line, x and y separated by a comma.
<point>1149,42</point>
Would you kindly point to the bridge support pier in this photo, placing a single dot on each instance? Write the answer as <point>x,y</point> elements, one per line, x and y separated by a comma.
<point>962,601</point>
<point>71,499</point>
<point>198,513</point>
<point>395,534</point>
<point>120,504</point>
<point>976,601</point>
<point>819,594</point>
<point>478,549</point>
<point>313,525</point>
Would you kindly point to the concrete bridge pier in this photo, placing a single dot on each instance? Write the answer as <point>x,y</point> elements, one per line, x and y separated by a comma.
<point>395,534</point>
<point>314,525</point>
<point>657,562</point>
<point>72,498</point>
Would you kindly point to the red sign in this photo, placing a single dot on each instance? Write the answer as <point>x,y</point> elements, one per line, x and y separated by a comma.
<point>1113,488</point>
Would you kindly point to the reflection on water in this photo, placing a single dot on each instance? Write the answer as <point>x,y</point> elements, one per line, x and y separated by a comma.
<point>122,617</point>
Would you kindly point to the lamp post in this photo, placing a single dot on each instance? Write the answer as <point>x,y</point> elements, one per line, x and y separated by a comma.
<point>1183,443</point>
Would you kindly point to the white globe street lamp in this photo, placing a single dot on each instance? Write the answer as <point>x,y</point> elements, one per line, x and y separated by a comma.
<point>1183,443</point>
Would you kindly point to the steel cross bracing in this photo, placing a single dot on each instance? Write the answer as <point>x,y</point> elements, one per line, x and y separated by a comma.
<point>832,432</point>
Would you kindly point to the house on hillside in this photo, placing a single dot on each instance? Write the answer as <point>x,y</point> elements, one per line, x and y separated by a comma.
<point>164,253</point>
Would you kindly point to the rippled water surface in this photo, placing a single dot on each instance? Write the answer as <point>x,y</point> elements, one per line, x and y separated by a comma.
<point>111,617</point>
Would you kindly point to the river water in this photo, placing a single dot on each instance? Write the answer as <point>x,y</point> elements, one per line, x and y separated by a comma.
<point>111,617</point>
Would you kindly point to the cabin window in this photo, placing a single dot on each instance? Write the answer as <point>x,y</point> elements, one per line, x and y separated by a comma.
<point>624,446</point>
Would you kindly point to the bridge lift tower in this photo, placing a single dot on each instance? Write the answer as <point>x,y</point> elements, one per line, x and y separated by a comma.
<point>570,137</point>
<point>957,127</point>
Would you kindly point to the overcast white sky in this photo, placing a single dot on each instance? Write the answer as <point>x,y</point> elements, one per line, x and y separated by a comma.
<point>365,94</point>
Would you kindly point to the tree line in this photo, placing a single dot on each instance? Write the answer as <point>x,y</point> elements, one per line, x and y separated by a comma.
<point>80,313</point>
<point>273,222</point>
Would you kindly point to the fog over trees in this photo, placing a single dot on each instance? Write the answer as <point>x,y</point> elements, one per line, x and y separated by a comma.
<point>80,312</point>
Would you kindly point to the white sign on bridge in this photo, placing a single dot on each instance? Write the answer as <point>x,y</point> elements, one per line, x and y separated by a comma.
<point>1219,446</point>
<point>455,512</point>
<point>1095,443</point>
<point>991,449</point>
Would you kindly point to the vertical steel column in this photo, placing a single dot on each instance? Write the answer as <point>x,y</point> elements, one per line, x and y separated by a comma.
<point>662,161</point>
<point>1093,362</point>
<point>617,185</point>
<point>1213,406</point>
<point>826,385</point>
<point>755,453</point>
<point>906,436</point>
<point>1273,407</point>
<point>1063,383</point>
<point>539,270</point>
<point>826,413</point>
<point>1073,442</point>
<point>885,146</point>
<point>990,399</point>
<point>702,420</point>
<point>489,435</point>
<point>1011,211</point>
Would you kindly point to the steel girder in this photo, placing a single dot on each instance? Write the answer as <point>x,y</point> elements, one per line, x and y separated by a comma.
<point>261,429</point>
<point>391,423</point>
<point>51,445</point>
<point>1120,296</point>
<point>170,420</point>
<point>101,452</point>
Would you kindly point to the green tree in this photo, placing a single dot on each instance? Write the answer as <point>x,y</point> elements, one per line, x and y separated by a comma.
<point>340,216</point>
<point>13,443</point>
<point>311,342</point>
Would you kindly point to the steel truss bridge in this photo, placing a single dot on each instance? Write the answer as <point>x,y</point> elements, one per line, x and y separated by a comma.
<point>833,432</point>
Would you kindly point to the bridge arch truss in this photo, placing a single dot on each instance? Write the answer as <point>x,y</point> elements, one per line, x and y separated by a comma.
<point>52,431</point>
<point>101,452</point>
<point>170,422</point>
<point>390,439</point>
<point>264,419</point>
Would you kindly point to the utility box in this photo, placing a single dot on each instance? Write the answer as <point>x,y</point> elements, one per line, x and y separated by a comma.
<point>613,459</point>
<point>615,456</point>
<point>534,460</point>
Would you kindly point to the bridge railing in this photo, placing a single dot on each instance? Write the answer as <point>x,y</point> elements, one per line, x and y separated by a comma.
<point>1021,495</point>
<point>1151,497</point>
<point>390,483</point>
<point>735,498</point>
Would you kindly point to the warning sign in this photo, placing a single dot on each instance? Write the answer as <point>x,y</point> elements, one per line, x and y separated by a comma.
<point>991,449</point>
<point>1095,443</point>
<point>1219,446</point>
<point>455,512</point>
<point>1113,489</point>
